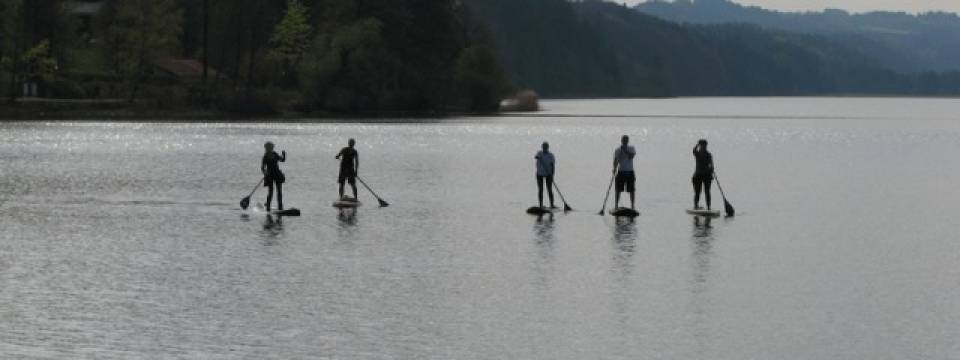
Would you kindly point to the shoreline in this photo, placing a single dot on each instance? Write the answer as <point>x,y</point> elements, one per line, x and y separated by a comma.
<point>57,110</point>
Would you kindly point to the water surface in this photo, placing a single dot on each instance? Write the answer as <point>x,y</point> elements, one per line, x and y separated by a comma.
<point>125,240</point>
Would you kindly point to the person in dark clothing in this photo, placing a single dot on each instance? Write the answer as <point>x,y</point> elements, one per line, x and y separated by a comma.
<point>546,167</point>
<point>272,176</point>
<point>349,167</point>
<point>703,175</point>
<point>626,179</point>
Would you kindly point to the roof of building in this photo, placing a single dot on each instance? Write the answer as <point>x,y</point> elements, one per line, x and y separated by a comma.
<point>184,68</point>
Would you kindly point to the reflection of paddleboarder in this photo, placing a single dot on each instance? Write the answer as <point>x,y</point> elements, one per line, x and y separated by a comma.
<point>272,176</point>
<point>349,167</point>
<point>623,168</point>
<point>546,167</point>
<point>703,175</point>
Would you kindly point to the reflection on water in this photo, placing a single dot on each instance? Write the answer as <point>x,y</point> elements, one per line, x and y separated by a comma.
<point>543,229</point>
<point>625,240</point>
<point>347,224</point>
<point>113,246</point>
<point>702,253</point>
<point>272,230</point>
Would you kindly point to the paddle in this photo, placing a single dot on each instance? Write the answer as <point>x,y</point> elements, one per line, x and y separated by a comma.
<point>245,202</point>
<point>565,206</point>
<point>382,203</point>
<point>726,204</point>
<point>607,197</point>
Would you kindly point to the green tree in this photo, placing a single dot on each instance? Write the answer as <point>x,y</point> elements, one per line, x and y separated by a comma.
<point>138,33</point>
<point>38,63</point>
<point>480,79</point>
<point>9,20</point>
<point>291,38</point>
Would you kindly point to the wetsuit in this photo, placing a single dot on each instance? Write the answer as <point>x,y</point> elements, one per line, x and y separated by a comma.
<point>546,165</point>
<point>272,176</point>
<point>702,176</point>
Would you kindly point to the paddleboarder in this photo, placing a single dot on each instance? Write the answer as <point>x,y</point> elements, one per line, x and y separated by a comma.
<point>546,166</point>
<point>626,179</point>
<point>349,167</point>
<point>272,176</point>
<point>703,175</point>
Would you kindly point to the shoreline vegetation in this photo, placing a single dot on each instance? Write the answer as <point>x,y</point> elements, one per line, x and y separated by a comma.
<point>245,58</point>
<point>346,59</point>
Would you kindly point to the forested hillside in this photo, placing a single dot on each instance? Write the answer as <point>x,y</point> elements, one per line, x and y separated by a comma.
<point>905,42</point>
<point>594,49</point>
<point>252,56</point>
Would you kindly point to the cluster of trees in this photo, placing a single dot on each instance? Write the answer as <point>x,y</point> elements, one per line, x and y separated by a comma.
<point>257,55</point>
<point>593,48</point>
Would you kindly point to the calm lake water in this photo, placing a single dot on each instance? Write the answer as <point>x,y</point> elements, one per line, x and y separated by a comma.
<point>125,240</point>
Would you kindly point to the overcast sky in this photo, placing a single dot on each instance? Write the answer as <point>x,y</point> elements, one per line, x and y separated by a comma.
<point>851,5</point>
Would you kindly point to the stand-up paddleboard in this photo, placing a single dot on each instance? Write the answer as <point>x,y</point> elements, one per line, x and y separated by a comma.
<point>347,203</point>
<point>624,212</point>
<point>537,210</point>
<point>288,212</point>
<point>704,212</point>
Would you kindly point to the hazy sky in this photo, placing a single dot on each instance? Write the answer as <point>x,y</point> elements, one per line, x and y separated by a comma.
<point>850,5</point>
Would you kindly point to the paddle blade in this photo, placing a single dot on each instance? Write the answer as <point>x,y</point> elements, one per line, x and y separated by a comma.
<point>383,203</point>
<point>728,208</point>
<point>245,203</point>
<point>567,208</point>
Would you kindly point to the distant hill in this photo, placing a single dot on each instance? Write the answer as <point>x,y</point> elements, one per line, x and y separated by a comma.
<point>600,49</point>
<point>902,41</point>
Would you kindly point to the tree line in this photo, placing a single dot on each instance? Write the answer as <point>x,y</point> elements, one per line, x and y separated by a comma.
<point>256,56</point>
<point>593,48</point>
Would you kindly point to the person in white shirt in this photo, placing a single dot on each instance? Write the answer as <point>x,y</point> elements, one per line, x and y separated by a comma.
<point>546,166</point>
<point>623,168</point>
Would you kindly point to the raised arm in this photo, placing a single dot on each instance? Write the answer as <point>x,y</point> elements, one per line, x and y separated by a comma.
<point>283,156</point>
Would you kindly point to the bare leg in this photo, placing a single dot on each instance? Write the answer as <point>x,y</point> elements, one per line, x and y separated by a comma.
<point>341,190</point>
<point>280,196</point>
<point>696,193</point>
<point>632,202</point>
<point>269,194</point>
<point>354,186</point>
